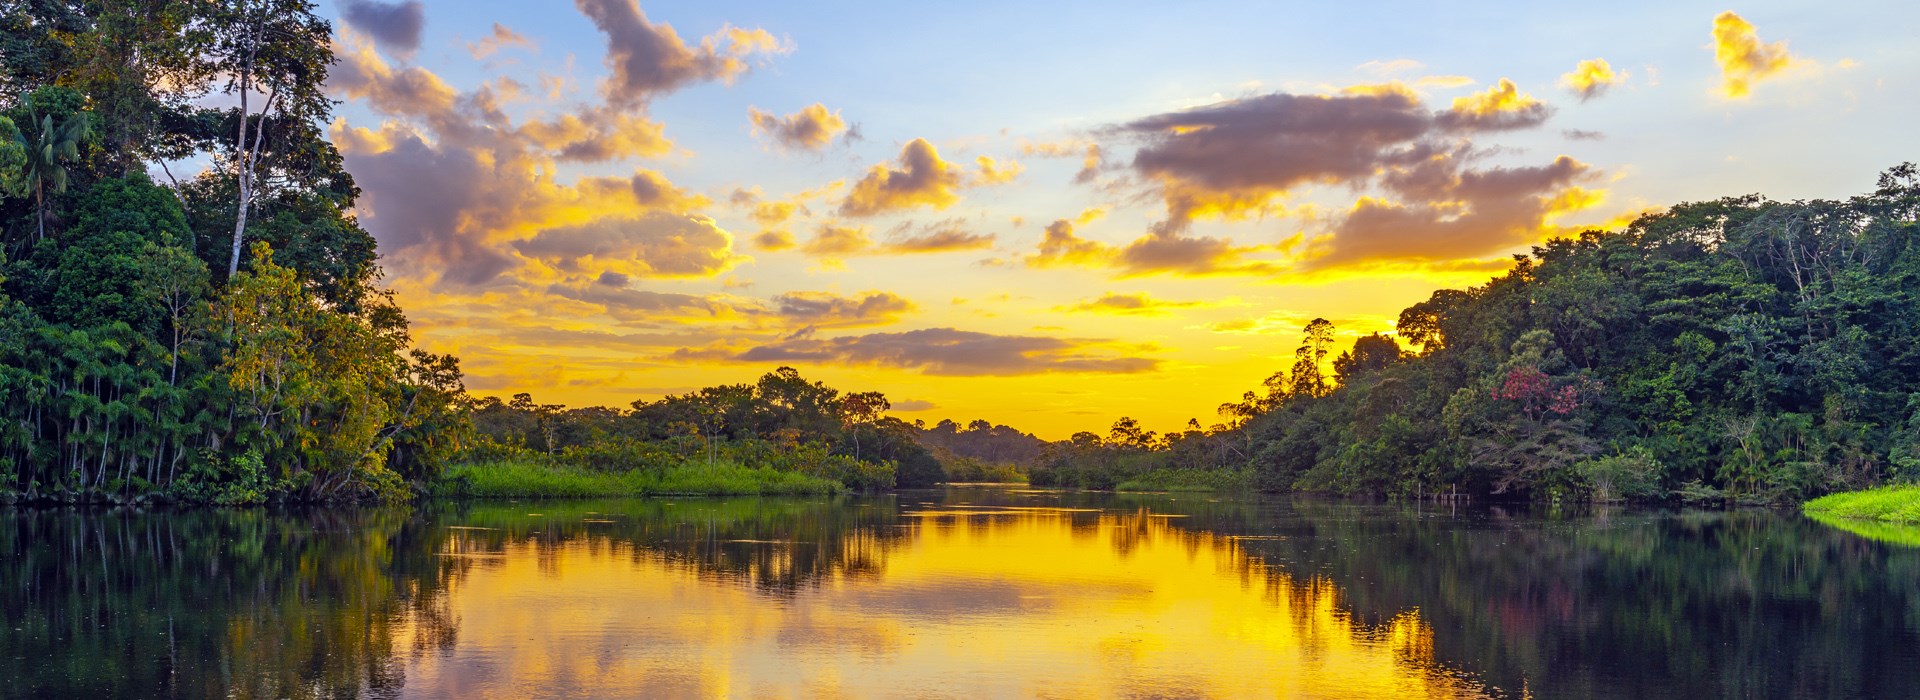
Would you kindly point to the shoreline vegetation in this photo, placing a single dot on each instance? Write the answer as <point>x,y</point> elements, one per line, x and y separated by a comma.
<point>1897,503</point>
<point>1888,514</point>
<point>226,339</point>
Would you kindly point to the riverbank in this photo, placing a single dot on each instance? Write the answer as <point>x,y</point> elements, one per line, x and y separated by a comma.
<point>1888,514</point>
<point>519,478</point>
<point>1899,503</point>
<point>1190,480</point>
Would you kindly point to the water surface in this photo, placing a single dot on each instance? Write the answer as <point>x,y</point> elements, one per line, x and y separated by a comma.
<point>966,592</point>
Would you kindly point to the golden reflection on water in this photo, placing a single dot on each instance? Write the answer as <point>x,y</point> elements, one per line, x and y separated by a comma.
<point>970,602</point>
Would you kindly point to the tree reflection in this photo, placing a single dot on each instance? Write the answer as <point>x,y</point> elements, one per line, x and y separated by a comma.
<point>323,603</point>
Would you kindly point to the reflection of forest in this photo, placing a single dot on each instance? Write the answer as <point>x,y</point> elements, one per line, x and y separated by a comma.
<point>306,603</point>
<point>237,604</point>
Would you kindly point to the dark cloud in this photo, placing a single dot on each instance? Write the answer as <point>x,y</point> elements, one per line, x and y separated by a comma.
<point>394,26</point>
<point>655,244</point>
<point>1582,135</point>
<point>1236,158</point>
<point>1171,252</point>
<point>811,128</point>
<point>1278,141</point>
<point>649,59</point>
<point>1450,213</point>
<point>912,406</point>
<point>950,352</point>
<point>420,200</point>
<point>827,310</point>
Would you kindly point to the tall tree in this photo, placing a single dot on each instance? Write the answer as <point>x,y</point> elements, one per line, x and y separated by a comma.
<point>280,51</point>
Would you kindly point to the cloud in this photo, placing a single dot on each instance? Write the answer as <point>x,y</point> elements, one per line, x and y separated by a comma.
<point>1060,247</point>
<point>993,173</point>
<point>1254,146</point>
<point>656,244</point>
<point>451,183</point>
<point>951,352</point>
<point>1244,157</point>
<point>827,310</point>
<point>921,180</point>
<point>1446,212</point>
<point>1140,304</point>
<point>812,128</point>
<point>1387,68</point>
<point>394,26</point>
<point>1582,135</point>
<point>611,292</point>
<point>648,59</point>
<point>1591,78</point>
<point>1743,59</point>
<point>1088,153</point>
<point>500,38</point>
<point>832,240</point>
<point>1501,108</point>
<point>911,406</point>
<point>773,241</point>
<point>942,237</point>
<point>598,135</point>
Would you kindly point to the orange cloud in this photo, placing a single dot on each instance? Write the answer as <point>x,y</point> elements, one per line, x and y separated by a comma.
<point>1743,59</point>
<point>812,128</point>
<point>1501,107</point>
<point>946,352</point>
<point>773,241</point>
<point>921,180</point>
<point>827,310</point>
<point>1591,78</point>
<point>1140,304</point>
<point>993,173</point>
<point>1061,248</point>
<point>500,38</point>
<point>836,241</point>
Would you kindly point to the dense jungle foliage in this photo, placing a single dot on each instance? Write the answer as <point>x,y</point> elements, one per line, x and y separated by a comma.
<point>221,338</point>
<point>781,421</point>
<point>1740,349</point>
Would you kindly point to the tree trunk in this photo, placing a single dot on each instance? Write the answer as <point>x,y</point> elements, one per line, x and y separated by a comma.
<point>246,182</point>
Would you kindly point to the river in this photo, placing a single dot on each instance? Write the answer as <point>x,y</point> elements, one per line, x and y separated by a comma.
<point>964,592</point>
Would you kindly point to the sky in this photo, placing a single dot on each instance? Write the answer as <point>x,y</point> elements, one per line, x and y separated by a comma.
<point>1045,215</point>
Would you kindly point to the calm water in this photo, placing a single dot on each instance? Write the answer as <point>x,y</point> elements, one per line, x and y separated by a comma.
<point>978,592</point>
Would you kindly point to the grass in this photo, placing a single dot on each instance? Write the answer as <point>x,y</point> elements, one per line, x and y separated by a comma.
<point>1887,514</point>
<point>1899,503</point>
<point>1189,480</point>
<point>513,478</point>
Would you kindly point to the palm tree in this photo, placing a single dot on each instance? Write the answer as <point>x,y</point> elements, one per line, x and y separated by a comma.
<point>45,151</point>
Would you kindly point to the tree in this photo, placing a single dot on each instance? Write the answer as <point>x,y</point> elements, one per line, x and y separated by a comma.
<point>280,50</point>
<point>47,151</point>
<point>858,410</point>
<point>1317,343</point>
<point>1371,353</point>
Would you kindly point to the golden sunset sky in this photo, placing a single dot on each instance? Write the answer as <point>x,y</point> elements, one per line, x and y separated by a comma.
<point>1047,217</point>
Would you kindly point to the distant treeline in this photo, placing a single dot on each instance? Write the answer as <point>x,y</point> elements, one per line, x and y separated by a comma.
<point>1739,349</point>
<point>216,339</point>
<point>803,426</point>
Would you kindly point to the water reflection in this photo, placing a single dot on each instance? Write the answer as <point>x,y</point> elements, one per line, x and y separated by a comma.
<point>974,592</point>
